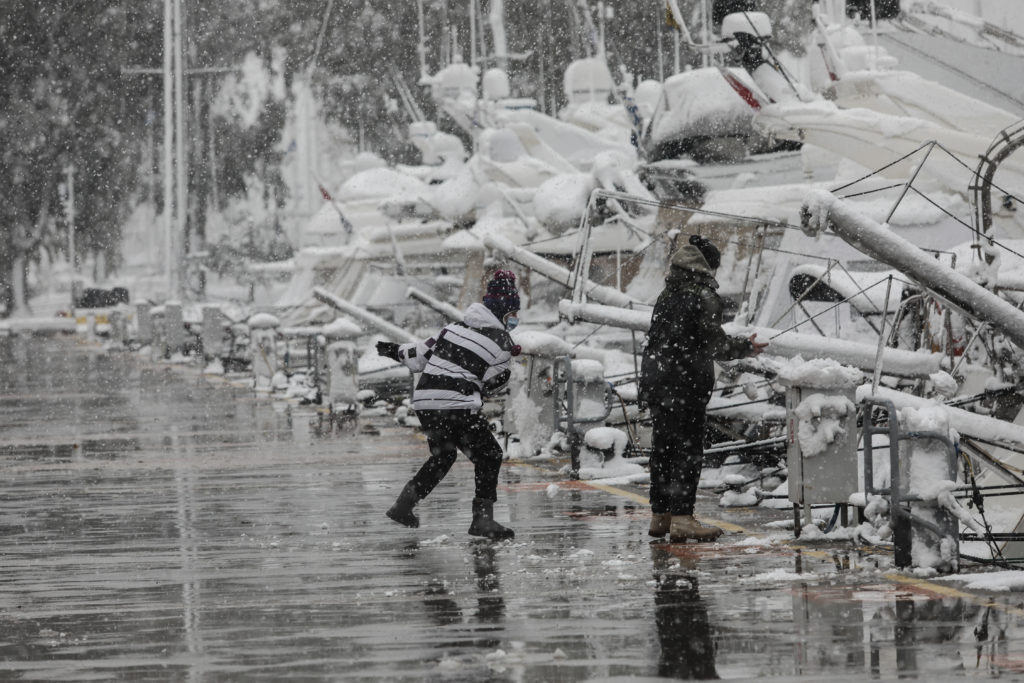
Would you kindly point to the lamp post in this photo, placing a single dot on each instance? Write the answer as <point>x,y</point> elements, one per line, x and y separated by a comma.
<point>69,172</point>
<point>168,146</point>
<point>181,181</point>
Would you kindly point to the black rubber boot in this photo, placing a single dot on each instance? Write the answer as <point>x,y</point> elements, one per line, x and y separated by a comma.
<point>401,511</point>
<point>483,521</point>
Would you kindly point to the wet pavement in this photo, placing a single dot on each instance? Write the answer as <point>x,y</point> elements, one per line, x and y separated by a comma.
<point>158,525</point>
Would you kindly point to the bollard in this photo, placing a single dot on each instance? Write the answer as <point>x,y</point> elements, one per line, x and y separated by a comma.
<point>143,324</point>
<point>337,364</point>
<point>213,337</point>
<point>159,343</point>
<point>342,376</point>
<point>263,348</point>
<point>174,329</point>
<point>116,323</point>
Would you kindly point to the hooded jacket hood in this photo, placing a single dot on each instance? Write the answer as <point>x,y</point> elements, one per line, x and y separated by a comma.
<point>688,257</point>
<point>478,315</point>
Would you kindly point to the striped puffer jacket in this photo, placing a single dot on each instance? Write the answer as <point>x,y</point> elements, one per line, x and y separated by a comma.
<point>466,361</point>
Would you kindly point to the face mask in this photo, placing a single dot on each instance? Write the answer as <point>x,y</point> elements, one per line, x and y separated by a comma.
<point>511,322</point>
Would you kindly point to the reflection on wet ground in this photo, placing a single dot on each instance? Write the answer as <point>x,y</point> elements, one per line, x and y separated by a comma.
<point>157,525</point>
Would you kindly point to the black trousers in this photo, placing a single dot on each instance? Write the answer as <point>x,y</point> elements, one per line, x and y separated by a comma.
<point>678,453</point>
<point>450,431</point>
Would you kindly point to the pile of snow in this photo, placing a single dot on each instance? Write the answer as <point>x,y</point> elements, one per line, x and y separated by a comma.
<point>943,384</point>
<point>264,321</point>
<point>561,201</point>
<point>342,328</point>
<point>820,421</point>
<point>378,183</point>
<point>701,102</point>
<point>602,458</point>
<point>819,373</point>
<point>991,581</point>
<point>456,197</point>
<point>543,344</point>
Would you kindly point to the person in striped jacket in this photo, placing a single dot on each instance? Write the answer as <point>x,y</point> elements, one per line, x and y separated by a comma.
<point>467,361</point>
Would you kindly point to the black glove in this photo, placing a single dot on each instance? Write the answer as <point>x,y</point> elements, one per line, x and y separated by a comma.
<point>388,350</point>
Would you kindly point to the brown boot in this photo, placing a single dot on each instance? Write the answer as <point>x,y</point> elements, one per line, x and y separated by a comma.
<point>685,526</point>
<point>660,523</point>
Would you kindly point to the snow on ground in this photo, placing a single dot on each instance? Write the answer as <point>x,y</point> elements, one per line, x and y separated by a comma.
<point>999,581</point>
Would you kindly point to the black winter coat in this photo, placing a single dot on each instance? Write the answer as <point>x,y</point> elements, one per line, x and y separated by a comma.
<point>685,339</point>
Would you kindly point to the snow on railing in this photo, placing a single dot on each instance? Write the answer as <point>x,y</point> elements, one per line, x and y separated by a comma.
<point>962,421</point>
<point>444,308</point>
<point>393,332</point>
<point>897,362</point>
<point>823,210</point>
<point>555,273</point>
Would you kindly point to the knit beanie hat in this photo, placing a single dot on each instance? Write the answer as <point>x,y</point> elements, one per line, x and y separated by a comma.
<point>708,250</point>
<point>501,297</point>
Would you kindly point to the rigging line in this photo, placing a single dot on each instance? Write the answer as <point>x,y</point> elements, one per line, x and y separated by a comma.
<point>965,224</point>
<point>734,387</point>
<point>660,204</point>
<point>972,171</point>
<point>866,192</point>
<point>750,243</point>
<point>787,252</point>
<point>979,501</point>
<point>737,405</point>
<point>941,208</point>
<point>877,171</point>
<point>850,275</point>
<point>820,278</point>
<point>775,63</point>
<point>626,377</point>
<point>320,37</point>
<point>592,333</point>
<point>633,256</point>
<point>739,242</point>
<point>629,223</point>
<point>838,304</point>
<point>575,231</point>
<point>654,239</point>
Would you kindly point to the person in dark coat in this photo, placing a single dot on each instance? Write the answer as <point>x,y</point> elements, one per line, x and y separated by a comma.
<point>677,376</point>
<point>466,361</point>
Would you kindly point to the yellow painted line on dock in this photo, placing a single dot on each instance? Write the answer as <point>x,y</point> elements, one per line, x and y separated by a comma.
<point>100,319</point>
<point>616,491</point>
